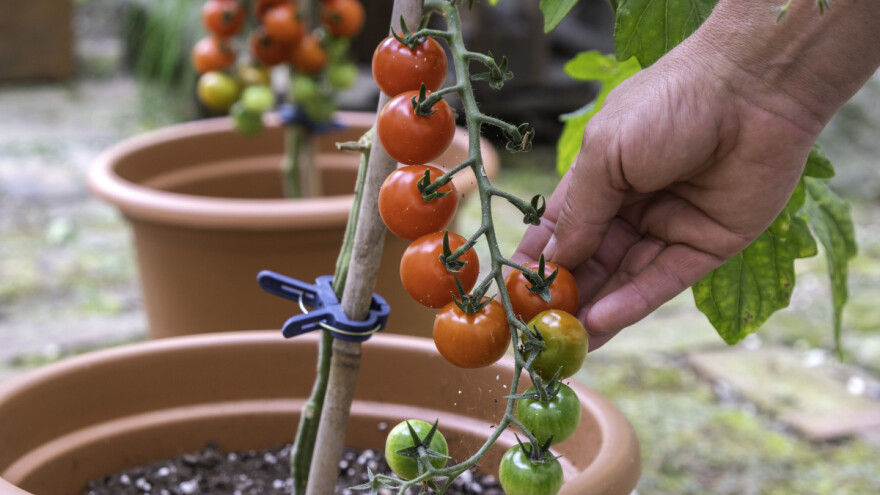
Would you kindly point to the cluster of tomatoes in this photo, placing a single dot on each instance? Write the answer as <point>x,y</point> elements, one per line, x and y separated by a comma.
<point>468,332</point>
<point>280,35</point>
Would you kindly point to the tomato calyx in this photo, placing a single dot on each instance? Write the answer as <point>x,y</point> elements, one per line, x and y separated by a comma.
<point>423,105</point>
<point>537,453</point>
<point>519,138</point>
<point>408,37</point>
<point>421,448</point>
<point>539,284</point>
<point>425,182</point>
<point>544,391</point>
<point>473,303</point>
<point>497,74</point>
<point>452,263</point>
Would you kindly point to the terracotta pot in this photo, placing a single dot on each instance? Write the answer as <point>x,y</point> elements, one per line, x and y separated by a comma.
<point>206,209</point>
<point>102,412</point>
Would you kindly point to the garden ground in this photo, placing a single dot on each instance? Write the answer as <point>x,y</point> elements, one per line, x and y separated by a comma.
<point>776,414</point>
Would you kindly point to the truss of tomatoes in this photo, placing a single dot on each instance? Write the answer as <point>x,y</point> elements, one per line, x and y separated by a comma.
<point>279,36</point>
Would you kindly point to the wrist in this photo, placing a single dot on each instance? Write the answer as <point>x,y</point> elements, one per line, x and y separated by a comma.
<point>803,68</point>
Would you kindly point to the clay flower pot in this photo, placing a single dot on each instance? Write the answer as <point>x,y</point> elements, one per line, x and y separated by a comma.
<point>95,414</point>
<point>207,214</point>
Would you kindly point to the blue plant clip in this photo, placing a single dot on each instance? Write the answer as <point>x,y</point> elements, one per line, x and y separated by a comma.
<point>326,312</point>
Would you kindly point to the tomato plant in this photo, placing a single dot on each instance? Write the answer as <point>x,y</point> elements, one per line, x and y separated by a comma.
<point>556,418</point>
<point>309,56</point>
<point>471,340</point>
<point>404,209</point>
<point>565,339</point>
<point>212,54</point>
<point>400,439</point>
<point>398,68</point>
<point>217,91</point>
<point>427,279</point>
<point>343,18</point>
<point>410,138</point>
<point>525,296</point>
<point>521,475</point>
<point>222,18</point>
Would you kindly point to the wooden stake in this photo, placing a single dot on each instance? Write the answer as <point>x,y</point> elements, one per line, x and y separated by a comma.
<point>368,245</point>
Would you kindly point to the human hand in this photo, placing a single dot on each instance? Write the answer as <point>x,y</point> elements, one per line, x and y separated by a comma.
<point>679,171</point>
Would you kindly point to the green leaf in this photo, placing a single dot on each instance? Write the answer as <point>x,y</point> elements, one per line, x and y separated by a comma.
<point>589,66</point>
<point>740,295</point>
<point>554,11</point>
<point>818,165</point>
<point>830,218</point>
<point>647,29</point>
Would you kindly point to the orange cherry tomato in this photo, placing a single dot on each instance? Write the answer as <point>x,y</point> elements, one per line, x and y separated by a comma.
<point>263,6</point>
<point>527,304</point>
<point>471,341</point>
<point>405,211</point>
<point>412,139</point>
<point>397,68</point>
<point>426,279</point>
<point>267,49</point>
<point>222,18</point>
<point>212,54</point>
<point>309,56</point>
<point>282,23</point>
<point>343,18</point>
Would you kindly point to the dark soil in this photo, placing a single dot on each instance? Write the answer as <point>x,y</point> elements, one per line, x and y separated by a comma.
<point>265,472</point>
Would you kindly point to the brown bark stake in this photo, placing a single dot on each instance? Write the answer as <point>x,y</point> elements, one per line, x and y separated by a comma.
<point>358,292</point>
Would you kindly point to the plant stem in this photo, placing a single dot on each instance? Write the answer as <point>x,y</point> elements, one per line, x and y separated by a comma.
<point>291,165</point>
<point>356,298</point>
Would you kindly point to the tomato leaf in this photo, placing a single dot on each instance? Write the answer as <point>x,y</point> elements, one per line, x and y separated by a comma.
<point>818,165</point>
<point>830,217</point>
<point>589,66</point>
<point>554,11</point>
<point>647,29</point>
<point>741,294</point>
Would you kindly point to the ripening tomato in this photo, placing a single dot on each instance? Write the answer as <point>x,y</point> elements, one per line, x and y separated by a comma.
<point>400,438</point>
<point>520,475</point>
<point>472,340</point>
<point>566,344</point>
<point>217,91</point>
<point>406,212</point>
<point>426,278</point>
<point>309,56</point>
<point>251,75</point>
<point>343,18</point>
<point>267,49</point>
<point>397,68</point>
<point>222,18</point>
<point>412,139</point>
<point>212,54</point>
<point>527,304</point>
<point>557,418</point>
<point>281,23</point>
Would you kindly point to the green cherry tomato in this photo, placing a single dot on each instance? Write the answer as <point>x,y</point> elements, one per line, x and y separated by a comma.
<point>304,88</point>
<point>566,344</point>
<point>521,476</point>
<point>558,418</point>
<point>342,75</point>
<point>246,122</point>
<point>400,438</point>
<point>217,91</point>
<point>258,98</point>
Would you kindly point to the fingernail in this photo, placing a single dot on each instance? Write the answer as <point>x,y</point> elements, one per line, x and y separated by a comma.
<point>550,248</point>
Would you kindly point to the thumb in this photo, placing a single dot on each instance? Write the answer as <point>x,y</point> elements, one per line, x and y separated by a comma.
<point>594,194</point>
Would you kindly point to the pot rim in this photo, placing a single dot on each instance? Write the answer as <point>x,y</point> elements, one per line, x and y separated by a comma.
<point>145,203</point>
<point>618,451</point>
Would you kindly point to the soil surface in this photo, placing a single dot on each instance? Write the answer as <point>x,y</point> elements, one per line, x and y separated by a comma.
<point>264,472</point>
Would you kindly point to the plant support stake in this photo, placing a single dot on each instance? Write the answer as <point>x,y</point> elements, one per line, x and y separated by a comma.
<point>367,252</point>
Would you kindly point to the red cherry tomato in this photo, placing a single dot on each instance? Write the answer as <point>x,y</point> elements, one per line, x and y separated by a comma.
<point>527,304</point>
<point>343,18</point>
<point>405,211</point>
<point>282,23</point>
<point>397,68</point>
<point>212,54</point>
<point>426,279</point>
<point>412,139</point>
<point>222,18</point>
<point>309,56</point>
<point>267,49</point>
<point>472,341</point>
